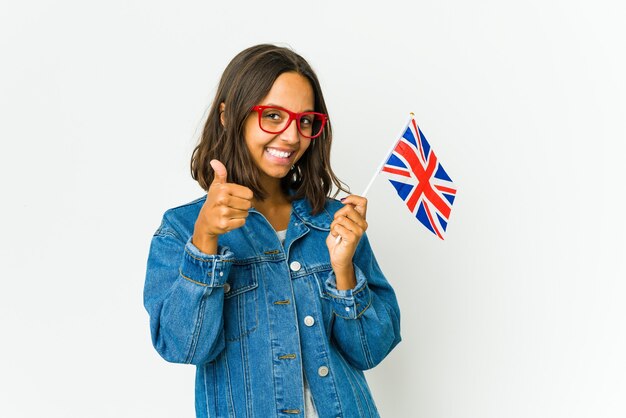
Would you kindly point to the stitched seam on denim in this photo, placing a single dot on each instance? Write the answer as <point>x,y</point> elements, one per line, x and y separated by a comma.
<point>264,258</point>
<point>238,291</point>
<point>206,388</point>
<point>190,279</point>
<point>244,334</point>
<point>321,267</point>
<point>215,394</point>
<point>314,221</point>
<point>369,302</point>
<point>204,260</point>
<point>212,273</point>
<point>163,232</point>
<point>365,346</point>
<point>228,387</point>
<point>240,296</point>
<point>307,270</point>
<point>358,314</point>
<point>197,328</point>
<point>348,372</point>
<point>346,298</point>
<point>320,284</point>
<point>360,289</point>
<point>359,381</point>
<point>341,316</point>
<point>245,355</point>
<point>271,338</point>
<point>200,322</point>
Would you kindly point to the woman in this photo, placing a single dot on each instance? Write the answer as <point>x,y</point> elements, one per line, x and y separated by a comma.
<point>252,283</point>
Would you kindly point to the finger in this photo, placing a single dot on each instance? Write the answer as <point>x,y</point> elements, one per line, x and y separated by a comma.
<point>239,191</point>
<point>230,213</point>
<point>348,224</point>
<point>351,213</point>
<point>358,202</point>
<point>219,171</point>
<point>226,200</point>
<point>226,225</point>
<point>347,236</point>
<point>236,223</point>
<point>238,203</point>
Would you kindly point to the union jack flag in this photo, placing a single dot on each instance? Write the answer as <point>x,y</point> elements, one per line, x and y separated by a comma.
<point>420,180</point>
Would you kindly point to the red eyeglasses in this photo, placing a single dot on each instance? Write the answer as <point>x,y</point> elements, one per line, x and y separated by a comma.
<point>275,120</point>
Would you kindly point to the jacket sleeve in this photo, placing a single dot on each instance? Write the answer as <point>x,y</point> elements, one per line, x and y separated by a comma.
<point>184,297</point>
<point>367,318</point>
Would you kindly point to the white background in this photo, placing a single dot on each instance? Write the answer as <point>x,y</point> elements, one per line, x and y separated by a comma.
<point>520,312</point>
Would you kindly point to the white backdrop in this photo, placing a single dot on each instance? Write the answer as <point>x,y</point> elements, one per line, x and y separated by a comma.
<point>518,313</point>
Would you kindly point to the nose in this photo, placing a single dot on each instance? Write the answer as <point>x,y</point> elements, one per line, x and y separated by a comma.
<point>291,134</point>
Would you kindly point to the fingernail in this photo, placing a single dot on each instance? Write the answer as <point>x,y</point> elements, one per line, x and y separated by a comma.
<point>342,199</point>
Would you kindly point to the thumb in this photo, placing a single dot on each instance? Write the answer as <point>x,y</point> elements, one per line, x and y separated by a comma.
<point>220,172</point>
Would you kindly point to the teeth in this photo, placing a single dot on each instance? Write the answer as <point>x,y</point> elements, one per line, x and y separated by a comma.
<point>279,154</point>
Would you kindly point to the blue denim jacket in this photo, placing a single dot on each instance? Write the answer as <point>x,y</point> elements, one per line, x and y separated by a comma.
<point>258,314</point>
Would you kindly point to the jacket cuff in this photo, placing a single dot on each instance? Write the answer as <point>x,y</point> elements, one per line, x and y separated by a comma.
<point>204,269</point>
<point>350,303</point>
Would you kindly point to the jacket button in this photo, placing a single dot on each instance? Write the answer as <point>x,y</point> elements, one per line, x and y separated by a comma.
<point>309,321</point>
<point>323,371</point>
<point>295,266</point>
<point>226,287</point>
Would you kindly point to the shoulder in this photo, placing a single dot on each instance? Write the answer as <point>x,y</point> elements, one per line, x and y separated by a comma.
<point>180,220</point>
<point>332,205</point>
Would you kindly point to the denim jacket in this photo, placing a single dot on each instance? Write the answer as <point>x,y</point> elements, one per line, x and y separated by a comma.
<point>257,315</point>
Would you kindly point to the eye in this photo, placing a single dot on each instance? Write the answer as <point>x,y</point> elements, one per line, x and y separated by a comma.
<point>272,114</point>
<point>306,120</point>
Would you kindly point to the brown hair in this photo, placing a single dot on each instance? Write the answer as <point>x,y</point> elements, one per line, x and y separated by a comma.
<point>246,80</point>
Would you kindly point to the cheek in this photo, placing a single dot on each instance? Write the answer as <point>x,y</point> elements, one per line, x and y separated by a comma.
<point>304,147</point>
<point>254,138</point>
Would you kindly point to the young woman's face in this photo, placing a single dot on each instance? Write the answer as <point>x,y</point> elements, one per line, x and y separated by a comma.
<point>274,154</point>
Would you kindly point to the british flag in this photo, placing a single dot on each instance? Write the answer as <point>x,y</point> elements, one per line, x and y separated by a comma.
<point>420,180</point>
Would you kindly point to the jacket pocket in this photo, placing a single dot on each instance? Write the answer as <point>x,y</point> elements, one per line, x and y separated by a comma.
<point>241,302</point>
<point>321,274</point>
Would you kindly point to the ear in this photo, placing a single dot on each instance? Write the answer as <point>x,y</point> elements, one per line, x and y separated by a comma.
<point>222,119</point>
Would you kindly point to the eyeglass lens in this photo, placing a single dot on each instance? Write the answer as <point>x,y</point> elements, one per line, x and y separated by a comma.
<point>275,120</point>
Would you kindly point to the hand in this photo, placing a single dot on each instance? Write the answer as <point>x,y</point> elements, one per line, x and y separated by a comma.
<point>226,208</point>
<point>350,224</point>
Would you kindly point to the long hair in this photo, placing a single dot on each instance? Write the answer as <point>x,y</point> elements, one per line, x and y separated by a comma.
<point>246,80</point>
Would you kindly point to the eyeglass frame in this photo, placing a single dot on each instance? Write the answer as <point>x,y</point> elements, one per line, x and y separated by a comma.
<point>292,116</point>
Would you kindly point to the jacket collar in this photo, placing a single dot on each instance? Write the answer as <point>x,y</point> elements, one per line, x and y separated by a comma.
<point>302,209</point>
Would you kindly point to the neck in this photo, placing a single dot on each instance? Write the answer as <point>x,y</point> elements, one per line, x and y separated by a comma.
<point>271,203</point>
<point>276,207</point>
<point>275,194</point>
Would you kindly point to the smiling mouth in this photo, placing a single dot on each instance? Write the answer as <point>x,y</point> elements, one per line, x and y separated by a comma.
<point>279,154</point>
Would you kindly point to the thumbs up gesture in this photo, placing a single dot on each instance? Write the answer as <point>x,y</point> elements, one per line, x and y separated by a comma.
<point>226,208</point>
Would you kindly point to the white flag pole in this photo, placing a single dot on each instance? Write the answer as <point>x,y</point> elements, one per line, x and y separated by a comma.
<point>382,163</point>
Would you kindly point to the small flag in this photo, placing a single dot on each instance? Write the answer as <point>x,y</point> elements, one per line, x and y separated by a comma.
<point>420,180</point>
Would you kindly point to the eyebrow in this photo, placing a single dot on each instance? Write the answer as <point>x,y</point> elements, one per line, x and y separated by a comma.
<point>283,107</point>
